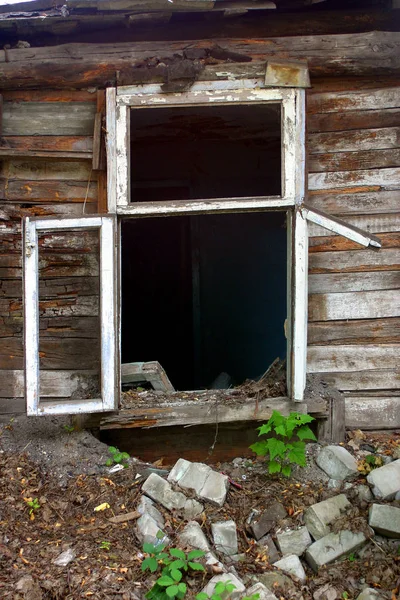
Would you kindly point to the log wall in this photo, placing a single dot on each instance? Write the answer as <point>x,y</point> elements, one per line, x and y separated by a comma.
<point>354,169</point>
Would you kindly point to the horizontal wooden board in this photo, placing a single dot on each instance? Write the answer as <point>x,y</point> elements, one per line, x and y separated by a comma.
<point>48,118</point>
<point>346,179</point>
<point>80,306</point>
<point>351,120</point>
<point>369,203</point>
<point>70,354</point>
<point>71,241</point>
<point>47,95</point>
<point>15,211</point>
<point>54,265</point>
<point>348,358</point>
<point>338,242</point>
<point>379,379</point>
<point>354,305</point>
<point>52,144</point>
<point>322,283</point>
<point>53,384</point>
<point>54,327</point>
<point>338,102</point>
<point>372,223</point>
<point>63,287</point>
<point>365,413</point>
<point>363,331</point>
<point>39,170</point>
<point>354,161</point>
<point>354,141</point>
<point>52,191</point>
<point>355,261</point>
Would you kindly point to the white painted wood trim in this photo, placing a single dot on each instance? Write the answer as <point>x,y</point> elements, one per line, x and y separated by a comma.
<point>300,142</point>
<point>206,206</point>
<point>111,105</point>
<point>122,146</point>
<point>289,310</point>
<point>31,315</point>
<point>106,226</point>
<point>299,305</point>
<point>288,147</point>
<point>341,227</point>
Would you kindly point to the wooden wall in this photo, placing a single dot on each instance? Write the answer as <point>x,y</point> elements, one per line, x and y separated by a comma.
<point>354,296</point>
<point>46,169</point>
<point>354,169</point>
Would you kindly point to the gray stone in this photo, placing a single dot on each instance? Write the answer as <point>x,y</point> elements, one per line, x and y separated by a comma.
<point>64,558</point>
<point>193,536</point>
<point>161,491</point>
<point>149,530</point>
<point>291,564</point>
<point>318,516</point>
<point>326,592</point>
<point>337,462</point>
<point>225,537</point>
<point>146,506</point>
<point>385,481</point>
<point>268,544</point>
<point>277,580</point>
<point>385,520</point>
<point>206,483</point>
<point>333,546</point>
<point>29,588</point>
<point>334,484</point>
<point>263,592</point>
<point>364,493</point>
<point>226,578</point>
<point>369,594</point>
<point>263,525</point>
<point>396,453</point>
<point>294,541</point>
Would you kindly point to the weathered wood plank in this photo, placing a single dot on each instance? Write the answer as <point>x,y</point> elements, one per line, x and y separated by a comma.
<point>48,95</point>
<point>346,179</point>
<point>354,141</point>
<point>354,161</point>
<point>333,359</point>
<point>339,54</point>
<point>54,327</point>
<point>373,223</point>
<point>365,413</point>
<point>368,203</point>
<point>85,241</point>
<point>347,121</point>
<point>53,191</point>
<point>37,170</point>
<point>52,265</point>
<point>351,282</point>
<point>85,306</point>
<point>354,305</point>
<point>338,242</point>
<point>53,384</point>
<point>355,261</point>
<point>353,100</point>
<point>15,211</point>
<point>46,145</point>
<point>48,118</point>
<point>364,331</point>
<point>71,354</point>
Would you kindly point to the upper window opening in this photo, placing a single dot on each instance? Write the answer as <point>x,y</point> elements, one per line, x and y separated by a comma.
<point>198,152</point>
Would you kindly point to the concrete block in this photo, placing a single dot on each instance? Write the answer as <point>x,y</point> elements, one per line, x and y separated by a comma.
<point>385,520</point>
<point>225,537</point>
<point>337,462</point>
<point>318,516</point>
<point>333,546</point>
<point>148,530</point>
<point>364,493</point>
<point>294,541</point>
<point>146,506</point>
<point>291,564</point>
<point>226,578</point>
<point>273,514</point>
<point>263,592</point>
<point>268,544</point>
<point>193,536</point>
<point>273,580</point>
<point>369,594</point>
<point>160,490</point>
<point>385,481</point>
<point>206,483</point>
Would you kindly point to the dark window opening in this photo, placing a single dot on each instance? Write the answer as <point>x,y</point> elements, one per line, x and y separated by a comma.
<point>205,152</point>
<point>205,295</point>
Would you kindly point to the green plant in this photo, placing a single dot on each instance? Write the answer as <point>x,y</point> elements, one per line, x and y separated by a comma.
<point>117,457</point>
<point>223,588</point>
<point>68,428</point>
<point>174,565</point>
<point>351,557</point>
<point>104,545</point>
<point>33,504</point>
<point>284,450</point>
<point>369,463</point>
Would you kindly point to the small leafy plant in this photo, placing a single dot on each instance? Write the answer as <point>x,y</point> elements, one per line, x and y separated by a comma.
<point>68,428</point>
<point>369,463</point>
<point>223,588</point>
<point>105,545</point>
<point>33,504</point>
<point>117,457</point>
<point>174,564</point>
<point>287,447</point>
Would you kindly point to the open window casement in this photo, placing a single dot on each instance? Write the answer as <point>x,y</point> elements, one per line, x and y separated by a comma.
<point>81,391</point>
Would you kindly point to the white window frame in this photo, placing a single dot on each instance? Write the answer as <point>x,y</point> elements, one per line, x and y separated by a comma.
<point>108,322</point>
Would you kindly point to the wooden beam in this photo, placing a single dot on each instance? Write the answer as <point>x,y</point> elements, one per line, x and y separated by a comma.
<point>146,371</point>
<point>345,54</point>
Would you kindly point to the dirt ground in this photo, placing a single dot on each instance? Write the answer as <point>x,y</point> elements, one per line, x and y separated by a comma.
<point>64,472</point>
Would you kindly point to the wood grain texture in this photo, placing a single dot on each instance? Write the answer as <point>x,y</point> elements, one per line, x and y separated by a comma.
<point>375,223</point>
<point>346,179</point>
<point>363,203</point>
<point>353,120</point>
<point>338,242</point>
<point>364,331</point>
<point>366,413</point>
<point>354,305</point>
<point>325,359</point>
<point>354,100</point>
<point>48,118</point>
<point>354,161</point>
<point>354,141</point>
<point>352,282</point>
<point>53,384</point>
<point>353,261</point>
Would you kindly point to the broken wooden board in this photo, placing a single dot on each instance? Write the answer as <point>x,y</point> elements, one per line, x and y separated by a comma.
<point>151,372</point>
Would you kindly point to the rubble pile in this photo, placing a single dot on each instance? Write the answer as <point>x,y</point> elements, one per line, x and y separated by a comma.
<point>293,553</point>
